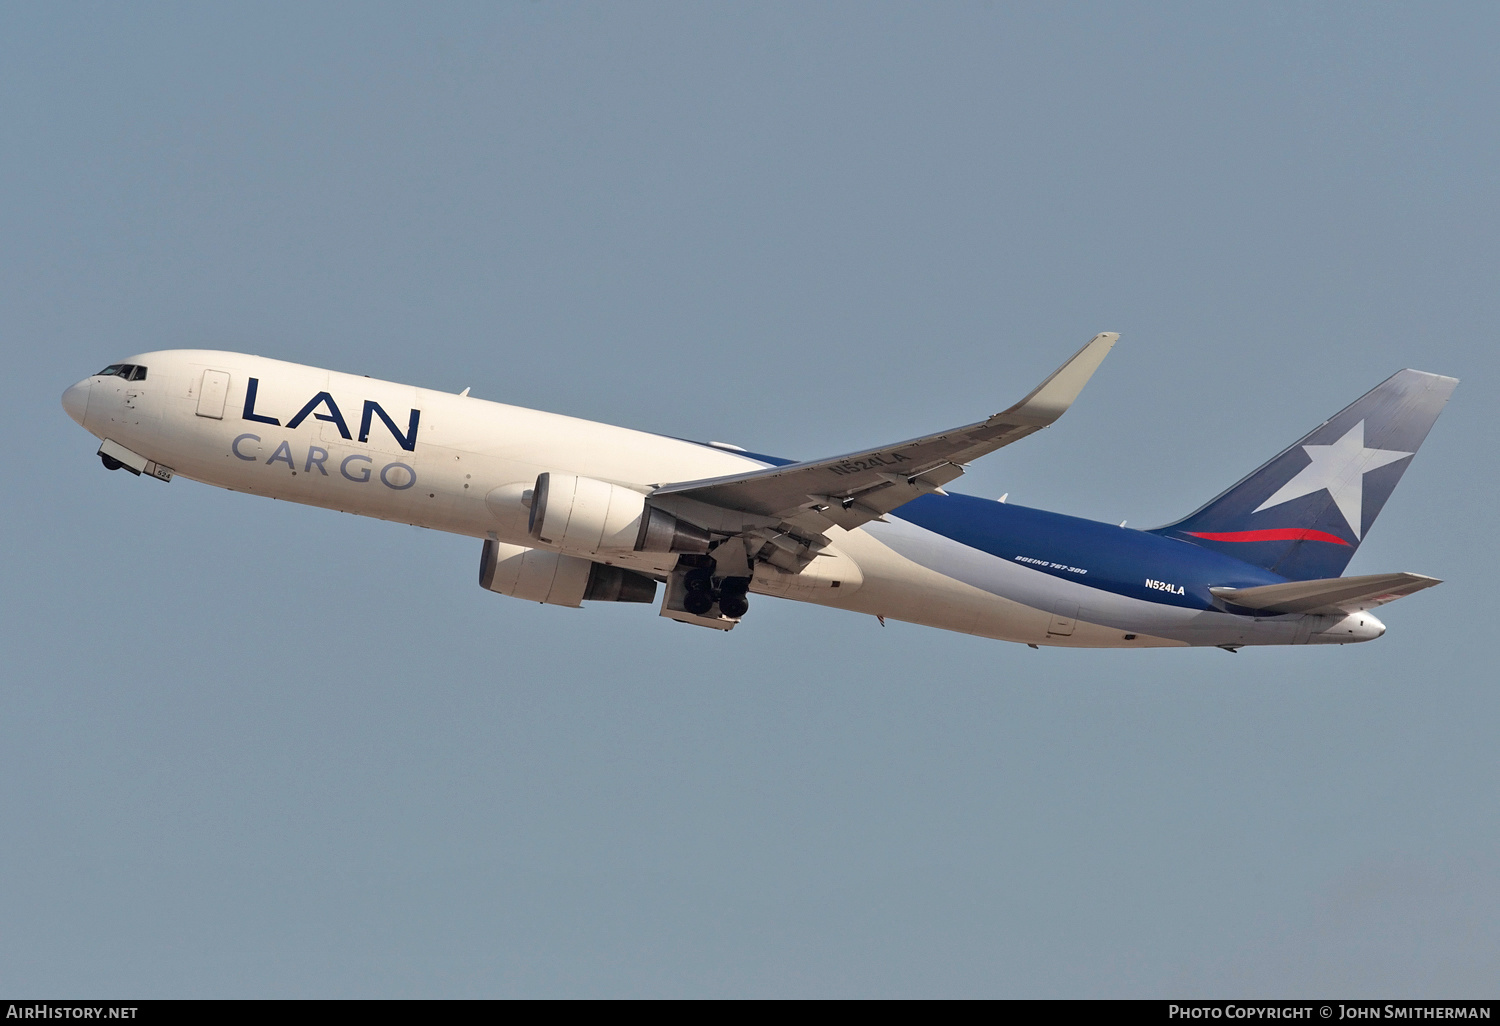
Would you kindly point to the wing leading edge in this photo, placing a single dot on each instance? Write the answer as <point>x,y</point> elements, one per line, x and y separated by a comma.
<point>850,490</point>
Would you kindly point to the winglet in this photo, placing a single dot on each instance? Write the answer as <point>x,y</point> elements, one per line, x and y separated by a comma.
<point>1052,397</point>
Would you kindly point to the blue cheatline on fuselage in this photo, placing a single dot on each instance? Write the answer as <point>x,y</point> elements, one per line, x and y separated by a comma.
<point>1113,559</point>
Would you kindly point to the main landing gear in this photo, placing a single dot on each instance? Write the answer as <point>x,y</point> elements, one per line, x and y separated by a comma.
<point>701,596</point>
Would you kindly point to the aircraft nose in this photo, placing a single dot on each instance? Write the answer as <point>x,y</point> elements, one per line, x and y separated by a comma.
<point>76,400</point>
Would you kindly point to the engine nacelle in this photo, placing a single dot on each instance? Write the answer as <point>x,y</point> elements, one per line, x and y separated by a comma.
<point>537,575</point>
<point>581,514</point>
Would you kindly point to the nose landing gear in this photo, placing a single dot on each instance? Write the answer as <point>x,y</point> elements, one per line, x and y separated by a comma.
<point>115,456</point>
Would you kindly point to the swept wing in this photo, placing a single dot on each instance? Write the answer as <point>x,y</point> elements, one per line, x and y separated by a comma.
<point>853,489</point>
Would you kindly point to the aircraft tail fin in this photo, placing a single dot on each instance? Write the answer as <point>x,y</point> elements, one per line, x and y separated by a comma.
<point>1304,513</point>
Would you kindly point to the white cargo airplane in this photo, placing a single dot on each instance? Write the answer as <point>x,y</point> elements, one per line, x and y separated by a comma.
<point>572,511</point>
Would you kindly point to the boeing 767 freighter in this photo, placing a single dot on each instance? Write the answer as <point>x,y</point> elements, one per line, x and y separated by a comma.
<point>572,511</point>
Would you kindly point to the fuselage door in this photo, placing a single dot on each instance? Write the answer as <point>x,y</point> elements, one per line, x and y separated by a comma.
<point>212,393</point>
<point>1064,618</point>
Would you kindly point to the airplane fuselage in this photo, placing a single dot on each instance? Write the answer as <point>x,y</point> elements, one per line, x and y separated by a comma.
<point>466,465</point>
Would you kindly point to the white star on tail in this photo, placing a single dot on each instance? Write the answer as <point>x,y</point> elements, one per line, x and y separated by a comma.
<point>1340,468</point>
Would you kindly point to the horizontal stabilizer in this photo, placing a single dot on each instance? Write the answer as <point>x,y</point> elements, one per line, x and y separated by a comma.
<point>1331,595</point>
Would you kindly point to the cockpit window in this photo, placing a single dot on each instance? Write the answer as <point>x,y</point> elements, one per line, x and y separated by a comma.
<point>128,371</point>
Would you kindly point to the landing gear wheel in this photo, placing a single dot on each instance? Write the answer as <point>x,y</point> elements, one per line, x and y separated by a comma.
<point>698,602</point>
<point>110,463</point>
<point>732,600</point>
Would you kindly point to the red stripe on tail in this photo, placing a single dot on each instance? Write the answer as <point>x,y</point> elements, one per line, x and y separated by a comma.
<point>1276,534</point>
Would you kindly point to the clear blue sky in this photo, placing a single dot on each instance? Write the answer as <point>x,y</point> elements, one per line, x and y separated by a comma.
<point>250,748</point>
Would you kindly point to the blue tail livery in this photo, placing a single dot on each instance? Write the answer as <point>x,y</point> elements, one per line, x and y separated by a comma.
<point>1304,513</point>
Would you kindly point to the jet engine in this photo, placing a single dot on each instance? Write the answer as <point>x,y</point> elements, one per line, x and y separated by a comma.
<point>537,575</point>
<point>581,514</point>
